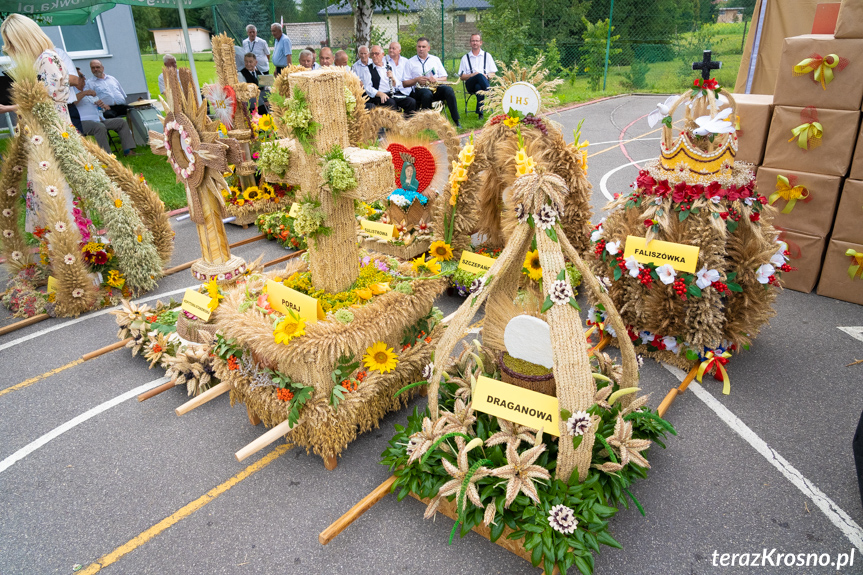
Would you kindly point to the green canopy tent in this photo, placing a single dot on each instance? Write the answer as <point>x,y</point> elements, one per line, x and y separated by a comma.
<point>73,12</point>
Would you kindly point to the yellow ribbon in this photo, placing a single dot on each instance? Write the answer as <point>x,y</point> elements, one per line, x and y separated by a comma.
<point>788,193</point>
<point>711,359</point>
<point>823,68</point>
<point>737,122</point>
<point>806,132</point>
<point>855,269</point>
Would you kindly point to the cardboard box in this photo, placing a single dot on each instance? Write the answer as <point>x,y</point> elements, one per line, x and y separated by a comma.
<point>844,92</point>
<point>832,157</point>
<point>806,255</point>
<point>849,217</point>
<point>849,23</point>
<point>754,112</point>
<point>857,161</point>
<point>835,280</point>
<point>813,215</point>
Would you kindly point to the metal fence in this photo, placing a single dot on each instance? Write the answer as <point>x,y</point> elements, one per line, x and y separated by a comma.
<point>603,45</point>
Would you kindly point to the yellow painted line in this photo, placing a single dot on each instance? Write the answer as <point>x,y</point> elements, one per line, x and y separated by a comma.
<point>33,380</point>
<point>182,513</point>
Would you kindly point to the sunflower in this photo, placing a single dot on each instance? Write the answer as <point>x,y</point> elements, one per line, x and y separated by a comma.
<point>268,191</point>
<point>252,193</point>
<point>265,123</point>
<point>532,267</point>
<point>214,294</point>
<point>381,358</point>
<point>290,327</point>
<point>441,251</point>
<point>419,266</point>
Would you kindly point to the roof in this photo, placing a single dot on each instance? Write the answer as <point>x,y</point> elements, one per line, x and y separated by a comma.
<point>178,29</point>
<point>344,8</point>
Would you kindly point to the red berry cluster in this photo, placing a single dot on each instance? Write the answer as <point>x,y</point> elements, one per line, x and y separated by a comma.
<point>731,213</point>
<point>786,268</point>
<point>600,246</point>
<point>537,123</point>
<point>772,280</point>
<point>720,287</point>
<point>644,277</point>
<point>679,287</point>
<point>685,206</point>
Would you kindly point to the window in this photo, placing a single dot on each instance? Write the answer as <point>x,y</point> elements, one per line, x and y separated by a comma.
<point>461,18</point>
<point>84,41</point>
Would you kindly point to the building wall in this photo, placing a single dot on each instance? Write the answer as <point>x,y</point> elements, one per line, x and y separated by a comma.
<point>304,34</point>
<point>121,57</point>
<point>171,41</point>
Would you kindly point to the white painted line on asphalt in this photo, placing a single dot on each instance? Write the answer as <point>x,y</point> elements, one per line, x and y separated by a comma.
<point>101,312</point>
<point>604,180</point>
<point>58,431</point>
<point>618,141</point>
<point>855,332</point>
<point>834,513</point>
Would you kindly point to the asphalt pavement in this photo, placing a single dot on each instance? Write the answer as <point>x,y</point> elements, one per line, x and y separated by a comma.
<point>768,467</point>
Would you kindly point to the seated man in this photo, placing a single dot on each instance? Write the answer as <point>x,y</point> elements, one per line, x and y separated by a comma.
<point>258,47</point>
<point>250,75</point>
<point>424,69</point>
<point>477,67</point>
<point>170,62</point>
<point>380,84</point>
<point>315,65</point>
<point>307,60</point>
<point>340,60</point>
<point>362,62</point>
<point>326,56</point>
<point>399,66</point>
<point>112,97</point>
<point>95,124</point>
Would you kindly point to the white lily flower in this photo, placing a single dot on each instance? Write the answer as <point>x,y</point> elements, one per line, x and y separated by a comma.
<point>666,274</point>
<point>764,272</point>
<point>612,247</point>
<point>633,266</point>
<point>671,343</point>
<point>706,277</point>
<point>646,336</point>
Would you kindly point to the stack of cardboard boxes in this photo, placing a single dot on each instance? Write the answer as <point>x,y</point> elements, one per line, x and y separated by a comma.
<point>814,141</point>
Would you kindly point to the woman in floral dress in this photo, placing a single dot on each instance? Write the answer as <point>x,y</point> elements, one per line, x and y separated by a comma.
<point>22,38</point>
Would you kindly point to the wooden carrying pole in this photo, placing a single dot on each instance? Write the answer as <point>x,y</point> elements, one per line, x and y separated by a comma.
<point>266,439</point>
<point>157,390</point>
<point>354,512</point>
<point>187,265</point>
<point>106,349</point>
<point>672,395</point>
<point>23,323</point>
<point>211,393</point>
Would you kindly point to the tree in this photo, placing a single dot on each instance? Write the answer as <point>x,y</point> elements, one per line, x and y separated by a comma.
<point>363,11</point>
<point>595,38</point>
<point>309,9</point>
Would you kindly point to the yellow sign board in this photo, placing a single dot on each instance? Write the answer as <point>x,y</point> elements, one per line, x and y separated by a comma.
<point>474,263</point>
<point>513,403</point>
<point>295,210</point>
<point>284,299</point>
<point>681,257</point>
<point>197,304</point>
<point>379,230</point>
<point>52,284</point>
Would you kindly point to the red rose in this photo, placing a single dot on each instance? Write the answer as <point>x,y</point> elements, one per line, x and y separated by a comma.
<point>715,189</point>
<point>100,258</point>
<point>680,191</point>
<point>648,223</point>
<point>755,217</point>
<point>695,192</point>
<point>662,189</point>
<point>724,215</point>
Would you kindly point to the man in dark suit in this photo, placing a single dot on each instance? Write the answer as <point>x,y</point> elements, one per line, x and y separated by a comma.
<point>250,75</point>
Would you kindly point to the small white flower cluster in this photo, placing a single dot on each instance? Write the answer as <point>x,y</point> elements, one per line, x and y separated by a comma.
<point>562,519</point>
<point>578,423</point>
<point>477,285</point>
<point>560,292</point>
<point>546,218</point>
<point>428,370</point>
<point>186,149</point>
<point>399,200</point>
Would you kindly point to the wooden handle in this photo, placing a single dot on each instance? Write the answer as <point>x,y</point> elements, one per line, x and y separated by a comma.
<point>284,258</point>
<point>672,395</point>
<point>356,511</point>
<point>266,439</point>
<point>23,323</point>
<point>157,390</point>
<point>211,393</point>
<point>106,349</point>
<point>187,265</point>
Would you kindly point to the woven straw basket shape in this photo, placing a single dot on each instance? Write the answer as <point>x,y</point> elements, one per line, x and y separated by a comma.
<point>540,383</point>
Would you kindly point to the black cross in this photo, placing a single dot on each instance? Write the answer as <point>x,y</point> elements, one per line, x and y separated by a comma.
<point>706,65</point>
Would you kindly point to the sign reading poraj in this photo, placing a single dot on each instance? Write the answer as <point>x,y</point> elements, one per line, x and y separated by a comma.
<point>681,257</point>
<point>513,403</point>
<point>283,299</point>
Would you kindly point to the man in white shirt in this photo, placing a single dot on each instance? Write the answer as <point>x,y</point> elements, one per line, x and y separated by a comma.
<point>169,62</point>
<point>112,97</point>
<point>399,66</point>
<point>423,69</point>
<point>380,84</point>
<point>257,47</point>
<point>326,56</point>
<point>307,60</point>
<point>340,60</point>
<point>363,62</point>
<point>96,125</point>
<point>475,70</point>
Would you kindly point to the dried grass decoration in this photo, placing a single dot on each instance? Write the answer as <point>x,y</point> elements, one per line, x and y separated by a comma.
<point>546,500</point>
<point>287,368</point>
<point>476,188</point>
<point>130,257</point>
<point>682,317</point>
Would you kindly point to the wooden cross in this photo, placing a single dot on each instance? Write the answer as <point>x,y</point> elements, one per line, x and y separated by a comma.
<point>334,258</point>
<point>706,65</point>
